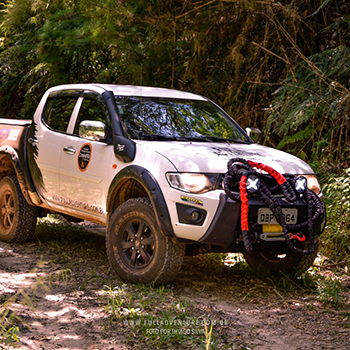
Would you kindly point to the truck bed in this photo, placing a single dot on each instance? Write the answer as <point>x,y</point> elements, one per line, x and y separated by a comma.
<point>20,122</point>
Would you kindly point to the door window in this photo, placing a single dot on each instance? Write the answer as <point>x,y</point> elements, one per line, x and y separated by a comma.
<point>91,110</point>
<point>58,111</point>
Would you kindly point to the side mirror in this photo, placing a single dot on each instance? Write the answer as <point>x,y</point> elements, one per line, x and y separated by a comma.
<point>256,132</point>
<point>93,130</point>
<point>252,131</point>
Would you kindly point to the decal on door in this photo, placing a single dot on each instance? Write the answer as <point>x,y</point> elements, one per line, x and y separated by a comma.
<point>78,204</point>
<point>13,135</point>
<point>4,132</point>
<point>10,134</point>
<point>84,157</point>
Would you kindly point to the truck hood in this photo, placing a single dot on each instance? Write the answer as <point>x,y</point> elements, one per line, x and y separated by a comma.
<point>213,157</point>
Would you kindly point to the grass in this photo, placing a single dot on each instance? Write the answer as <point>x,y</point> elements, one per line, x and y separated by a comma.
<point>165,318</point>
<point>9,331</point>
<point>9,335</point>
<point>159,318</point>
<point>58,235</point>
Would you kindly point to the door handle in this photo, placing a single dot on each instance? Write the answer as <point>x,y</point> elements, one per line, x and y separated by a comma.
<point>69,150</point>
<point>32,141</point>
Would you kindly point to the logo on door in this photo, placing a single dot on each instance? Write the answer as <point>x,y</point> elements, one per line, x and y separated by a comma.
<point>84,157</point>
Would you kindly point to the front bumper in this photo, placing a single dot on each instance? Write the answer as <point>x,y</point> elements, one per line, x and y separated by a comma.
<point>225,229</point>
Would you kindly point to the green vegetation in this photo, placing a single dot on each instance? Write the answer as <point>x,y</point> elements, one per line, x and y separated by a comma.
<point>10,336</point>
<point>310,111</point>
<point>280,66</point>
<point>336,238</point>
<point>157,317</point>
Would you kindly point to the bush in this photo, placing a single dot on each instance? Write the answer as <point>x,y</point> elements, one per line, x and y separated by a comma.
<point>309,115</point>
<point>336,238</point>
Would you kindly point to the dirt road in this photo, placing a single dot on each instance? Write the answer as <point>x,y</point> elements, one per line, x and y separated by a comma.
<point>58,295</point>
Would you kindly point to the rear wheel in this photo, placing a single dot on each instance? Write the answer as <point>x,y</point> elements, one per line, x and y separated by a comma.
<point>292,263</point>
<point>17,217</point>
<point>137,251</point>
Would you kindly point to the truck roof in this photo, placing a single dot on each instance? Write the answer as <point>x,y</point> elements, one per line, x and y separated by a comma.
<point>133,90</point>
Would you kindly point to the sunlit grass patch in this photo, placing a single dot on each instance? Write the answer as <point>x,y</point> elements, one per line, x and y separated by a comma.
<point>158,318</point>
<point>71,240</point>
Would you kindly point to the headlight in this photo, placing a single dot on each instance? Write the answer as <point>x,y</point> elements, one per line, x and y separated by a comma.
<point>192,182</point>
<point>313,184</point>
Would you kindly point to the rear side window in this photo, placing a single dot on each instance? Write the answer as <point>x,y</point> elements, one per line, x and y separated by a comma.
<point>58,111</point>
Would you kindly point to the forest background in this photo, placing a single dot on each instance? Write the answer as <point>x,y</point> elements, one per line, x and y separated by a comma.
<point>280,66</point>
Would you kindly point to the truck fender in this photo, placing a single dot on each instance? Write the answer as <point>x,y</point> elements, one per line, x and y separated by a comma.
<point>11,154</point>
<point>153,190</point>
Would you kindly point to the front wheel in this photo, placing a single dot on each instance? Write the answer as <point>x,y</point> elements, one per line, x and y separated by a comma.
<point>17,217</point>
<point>292,263</point>
<point>137,251</point>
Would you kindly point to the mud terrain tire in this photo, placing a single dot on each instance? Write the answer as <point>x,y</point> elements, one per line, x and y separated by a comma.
<point>137,251</point>
<point>292,263</point>
<point>17,217</point>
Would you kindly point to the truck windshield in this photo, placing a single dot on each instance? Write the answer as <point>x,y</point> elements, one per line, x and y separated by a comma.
<point>152,118</point>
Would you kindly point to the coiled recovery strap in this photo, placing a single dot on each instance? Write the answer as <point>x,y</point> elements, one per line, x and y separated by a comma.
<point>236,177</point>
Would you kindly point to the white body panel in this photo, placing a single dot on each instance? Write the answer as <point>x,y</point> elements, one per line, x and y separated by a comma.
<point>85,187</point>
<point>209,157</point>
<point>49,162</point>
<point>210,202</point>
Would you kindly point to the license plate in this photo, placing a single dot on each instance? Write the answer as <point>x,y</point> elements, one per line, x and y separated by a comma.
<point>265,216</point>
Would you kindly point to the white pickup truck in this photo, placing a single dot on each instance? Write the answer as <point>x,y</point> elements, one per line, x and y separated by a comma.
<point>167,172</point>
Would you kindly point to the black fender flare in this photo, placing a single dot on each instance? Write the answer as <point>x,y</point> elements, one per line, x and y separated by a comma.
<point>150,184</point>
<point>12,155</point>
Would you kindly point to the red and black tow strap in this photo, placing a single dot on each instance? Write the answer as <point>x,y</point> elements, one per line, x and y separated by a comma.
<point>238,171</point>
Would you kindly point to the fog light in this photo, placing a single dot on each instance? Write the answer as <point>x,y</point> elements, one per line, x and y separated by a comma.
<point>195,215</point>
<point>300,184</point>
<point>253,184</point>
